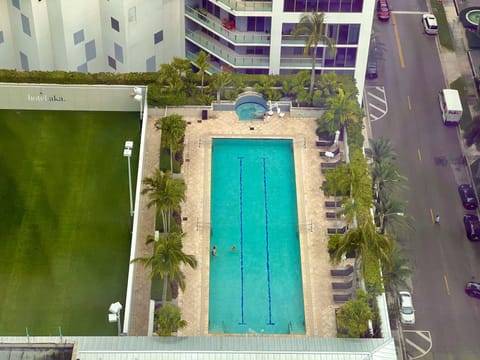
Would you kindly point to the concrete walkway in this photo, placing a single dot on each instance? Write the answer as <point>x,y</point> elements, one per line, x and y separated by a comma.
<point>140,306</point>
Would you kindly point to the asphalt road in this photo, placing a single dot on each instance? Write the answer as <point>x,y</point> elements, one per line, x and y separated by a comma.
<point>443,259</point>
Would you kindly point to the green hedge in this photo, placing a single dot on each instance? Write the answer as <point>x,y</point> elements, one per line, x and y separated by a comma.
<point>71,77</point>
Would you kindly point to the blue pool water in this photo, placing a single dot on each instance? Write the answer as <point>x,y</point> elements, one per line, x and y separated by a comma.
<point>250,111</point>
<point>258,287</point>
<point>250,107</point>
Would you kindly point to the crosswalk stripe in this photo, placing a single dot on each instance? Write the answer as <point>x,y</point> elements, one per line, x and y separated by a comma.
<point>408,12</point>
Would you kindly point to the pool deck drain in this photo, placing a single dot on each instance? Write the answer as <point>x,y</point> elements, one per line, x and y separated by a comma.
<point>317,289</point>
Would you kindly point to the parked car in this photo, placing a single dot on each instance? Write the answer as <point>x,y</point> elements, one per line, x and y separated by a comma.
<point>430,25</point>
<point>407,312</point>
<point>372,69</point>
<point>383,10</point>
<point>472,226</point>
<point>467,194</point>
<point>473,289</point>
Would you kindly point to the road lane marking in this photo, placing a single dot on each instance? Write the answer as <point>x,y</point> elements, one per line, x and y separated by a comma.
<point>415,346</point>
<point>431,214</point>
<point>376,97</point>
<point>397,40</point>
<point>419,155</point>
<point>409,103</point>
<point>446,284</point>
<point>375,107</point>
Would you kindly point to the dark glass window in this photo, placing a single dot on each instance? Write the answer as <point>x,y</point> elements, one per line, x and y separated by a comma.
<point>115,24</point>
<point>158,37</point>
<point>112,63</point>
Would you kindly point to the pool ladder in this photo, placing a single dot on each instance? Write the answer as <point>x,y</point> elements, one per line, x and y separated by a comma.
<point>290,328</point>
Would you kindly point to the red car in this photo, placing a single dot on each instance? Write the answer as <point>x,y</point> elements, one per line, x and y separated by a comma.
<point>383,11</point>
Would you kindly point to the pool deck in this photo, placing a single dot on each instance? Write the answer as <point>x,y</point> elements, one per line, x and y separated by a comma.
<point>317,288</point>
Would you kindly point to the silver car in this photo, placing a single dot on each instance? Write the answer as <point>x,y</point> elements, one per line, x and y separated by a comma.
<point>407,312</point>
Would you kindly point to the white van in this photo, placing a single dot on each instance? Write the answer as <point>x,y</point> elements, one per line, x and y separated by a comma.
<point>451,106</point>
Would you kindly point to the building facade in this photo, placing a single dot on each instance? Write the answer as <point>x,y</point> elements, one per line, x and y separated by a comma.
<point>90,35</point>
<point>138,35</point>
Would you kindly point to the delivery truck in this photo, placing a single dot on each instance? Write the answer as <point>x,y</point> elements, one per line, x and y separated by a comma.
<point>450,106</point>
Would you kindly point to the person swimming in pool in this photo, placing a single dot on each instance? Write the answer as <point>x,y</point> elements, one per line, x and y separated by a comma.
<point>214,250</point>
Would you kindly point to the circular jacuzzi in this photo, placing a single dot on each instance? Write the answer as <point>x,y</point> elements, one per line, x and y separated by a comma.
<point>251,107</point>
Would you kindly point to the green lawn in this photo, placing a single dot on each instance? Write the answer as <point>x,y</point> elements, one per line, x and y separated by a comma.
<point>64,219</point>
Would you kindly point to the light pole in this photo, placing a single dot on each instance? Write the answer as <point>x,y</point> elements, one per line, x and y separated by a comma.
<point>114,315</point>
<point>138,96</point>
<point>127,152</point>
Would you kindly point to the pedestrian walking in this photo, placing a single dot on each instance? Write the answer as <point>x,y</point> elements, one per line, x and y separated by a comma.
<point>437,219</point>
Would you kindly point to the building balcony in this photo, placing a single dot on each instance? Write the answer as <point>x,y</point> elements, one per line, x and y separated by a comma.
<point>226,31</point>
<point>239,5</point>
<point>224,53</point>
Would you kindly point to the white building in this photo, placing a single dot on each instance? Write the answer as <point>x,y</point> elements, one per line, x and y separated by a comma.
<point>139,35</point>
<point>89,35</point>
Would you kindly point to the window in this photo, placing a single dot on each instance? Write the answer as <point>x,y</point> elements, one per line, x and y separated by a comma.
<point>118,52</point>
<point>16,3</point>
<point>90,50</point>
<point>1,37</point>
<point>115,24</point>
<point>158,37</point>
<point>83,68</point>
<point>132,14</point>
<point>24,61</point>
<point>112,63</point>
<point>78,37</point>
<point>151,64</point>
<point>26,25</point>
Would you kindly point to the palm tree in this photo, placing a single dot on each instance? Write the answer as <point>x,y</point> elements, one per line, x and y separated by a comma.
<point>165,193</point>
<point>386,179</point>
<point>343,110</point>
<point>169,319</point>
<point>365,242</point>
<point>203,64</point>
<point>312,28</point>
<point>173,129</point>
<point>381,149</point>
<point>166,260</point>
<point>391,216</point>
<point>220,81</point>
<point>395,277</point>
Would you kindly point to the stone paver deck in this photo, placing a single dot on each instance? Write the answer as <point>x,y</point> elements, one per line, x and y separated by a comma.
<point>318,299</point>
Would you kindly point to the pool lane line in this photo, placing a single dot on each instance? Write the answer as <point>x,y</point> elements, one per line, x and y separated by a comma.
<point>265,199</point>
<point>242,287</point>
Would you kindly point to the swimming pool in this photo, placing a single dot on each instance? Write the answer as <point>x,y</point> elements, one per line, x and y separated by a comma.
<point>250,107</point>
<point>255,287</point>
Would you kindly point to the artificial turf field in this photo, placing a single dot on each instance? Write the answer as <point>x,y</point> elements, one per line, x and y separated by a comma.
<point>64,219</point>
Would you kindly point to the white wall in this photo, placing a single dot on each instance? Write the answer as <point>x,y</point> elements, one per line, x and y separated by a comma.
<point>67,97</point>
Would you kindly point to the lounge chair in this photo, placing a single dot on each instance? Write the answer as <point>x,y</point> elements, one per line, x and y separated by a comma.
<point>324,143</point>
<point>333,204</point>
<point>345,285</point>
<point>346,271</point>
<point>330,154</point>
<point>341,298</point>
<point>335,230</point>
<point>331,215</point>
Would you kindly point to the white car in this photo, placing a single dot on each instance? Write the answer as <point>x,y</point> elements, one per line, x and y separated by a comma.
<point>430,24</point>
<point>407,312</point>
